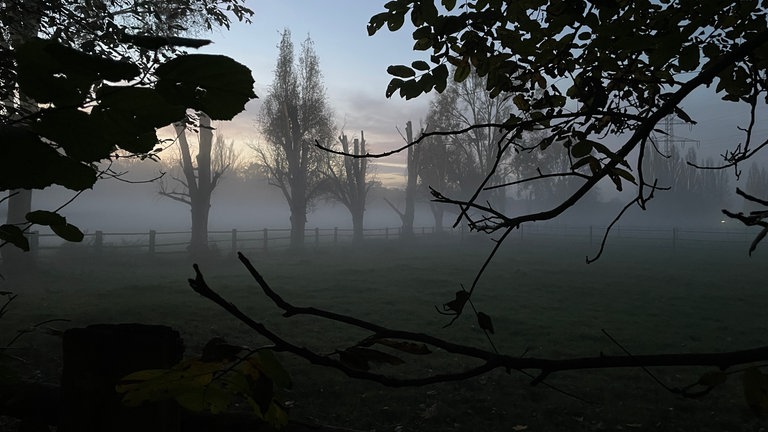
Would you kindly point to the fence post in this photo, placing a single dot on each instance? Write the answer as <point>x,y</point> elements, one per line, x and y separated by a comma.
<point>265,237</point>
<point>317,236</point>
<point>34,241</point>
<point>335,235</point>
<point>234,241</point>
<point>461,231</point>
<point>98,241</point>
<point>152,235</point>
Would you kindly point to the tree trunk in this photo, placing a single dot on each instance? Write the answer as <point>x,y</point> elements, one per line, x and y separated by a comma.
<point>200,208</point>
<point>410,189</point>
<point>357,224</point>
<point>437,213</point>
<point>298,225</point>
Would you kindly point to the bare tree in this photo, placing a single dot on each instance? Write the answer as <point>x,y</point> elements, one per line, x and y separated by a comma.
<point>295,115</point>
<point>409,213</point>
<point>201,172</point>
<point>348,183</point>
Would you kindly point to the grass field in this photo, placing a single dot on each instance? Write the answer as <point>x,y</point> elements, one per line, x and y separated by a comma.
<point>542,296</point>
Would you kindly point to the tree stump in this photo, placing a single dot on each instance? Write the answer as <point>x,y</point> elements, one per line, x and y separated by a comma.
<point>95,358</point>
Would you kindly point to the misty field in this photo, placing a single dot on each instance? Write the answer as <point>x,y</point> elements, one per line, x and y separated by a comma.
<point>544,301</point>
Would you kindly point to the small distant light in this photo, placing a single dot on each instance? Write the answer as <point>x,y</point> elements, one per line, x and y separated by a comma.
<point>722,221</point>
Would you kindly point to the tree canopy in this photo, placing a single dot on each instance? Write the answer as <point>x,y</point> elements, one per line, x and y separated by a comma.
<point>581,70</point>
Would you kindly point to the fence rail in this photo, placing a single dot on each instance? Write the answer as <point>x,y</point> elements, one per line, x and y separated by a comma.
<point>267,239</point>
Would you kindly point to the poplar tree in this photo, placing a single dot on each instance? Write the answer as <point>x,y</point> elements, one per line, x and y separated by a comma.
<point>294,117</point>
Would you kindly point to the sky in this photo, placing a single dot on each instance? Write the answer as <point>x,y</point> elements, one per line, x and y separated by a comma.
<point>354,70</point>
<point>353,65</point>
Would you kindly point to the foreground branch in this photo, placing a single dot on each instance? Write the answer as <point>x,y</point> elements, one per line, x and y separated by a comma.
<point>490,360</point>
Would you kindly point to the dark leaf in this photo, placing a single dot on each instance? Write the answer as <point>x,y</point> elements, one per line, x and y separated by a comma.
<point>394,85</point>
<point>267,362</point>
<point>401,71</point>
<point>484,321</point>
<point>68,232</point>
<point>689,57</point>
<point>75,131</point>
<point>581,149</point>
<point>27,162</point>
<point>420,65</point>
<point>626,175</point>
<point>46,218</point>
<point>457,305</point>
<point>15,236</point>
<point>683,115</point>
<point>214,84</point>
<point>462,71</point>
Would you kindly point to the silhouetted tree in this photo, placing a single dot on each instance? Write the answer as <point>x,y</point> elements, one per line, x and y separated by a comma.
<point>348,182</point>
<point>408,214</point>
<point>144,32</point>
<point>201,172</point>
<point>294,116</point>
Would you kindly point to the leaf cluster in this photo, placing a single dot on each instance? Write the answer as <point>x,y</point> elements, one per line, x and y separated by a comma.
<point>580,69</point>
<point>221,377</point>
<point>88,107</point>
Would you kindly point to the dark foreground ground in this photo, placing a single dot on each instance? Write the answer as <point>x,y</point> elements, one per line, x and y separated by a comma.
<point>697,297</point>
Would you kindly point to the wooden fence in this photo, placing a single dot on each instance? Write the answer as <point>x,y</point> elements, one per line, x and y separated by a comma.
<point>233,240</point>
<point>267,239</point>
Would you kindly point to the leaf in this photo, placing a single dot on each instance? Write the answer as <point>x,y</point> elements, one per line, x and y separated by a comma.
<point>626,175</point>
<point>270,365</point>
<point>440,75</point>
<point>581,149</point>
<point>214,84</point>
<point>457,305</point>
<point>683,115</point>
<point>401,71</point>
<point>711,379</point>
<point>420,65</point>
<point>462,71</point>
<point>15,236</point>
<point>394,85</point>
<point>485,322</point>
<point>377,22</point>
<point>582,162</point>
<point>68,232</point>
<point>46,218</point>
<point>688,59</point>
<point>76,132</point>
<point>395,21</point>
<point>407,347</point>
<point>449,4</point>
<point>521,102</point>
<point>27,162</point>
<point>760,236</point>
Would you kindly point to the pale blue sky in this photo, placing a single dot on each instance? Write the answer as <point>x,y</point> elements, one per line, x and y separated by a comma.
<point>353,64</point>
<point>354,68</point>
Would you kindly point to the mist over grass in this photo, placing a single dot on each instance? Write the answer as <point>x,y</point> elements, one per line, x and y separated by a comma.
<point>653,298</point>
